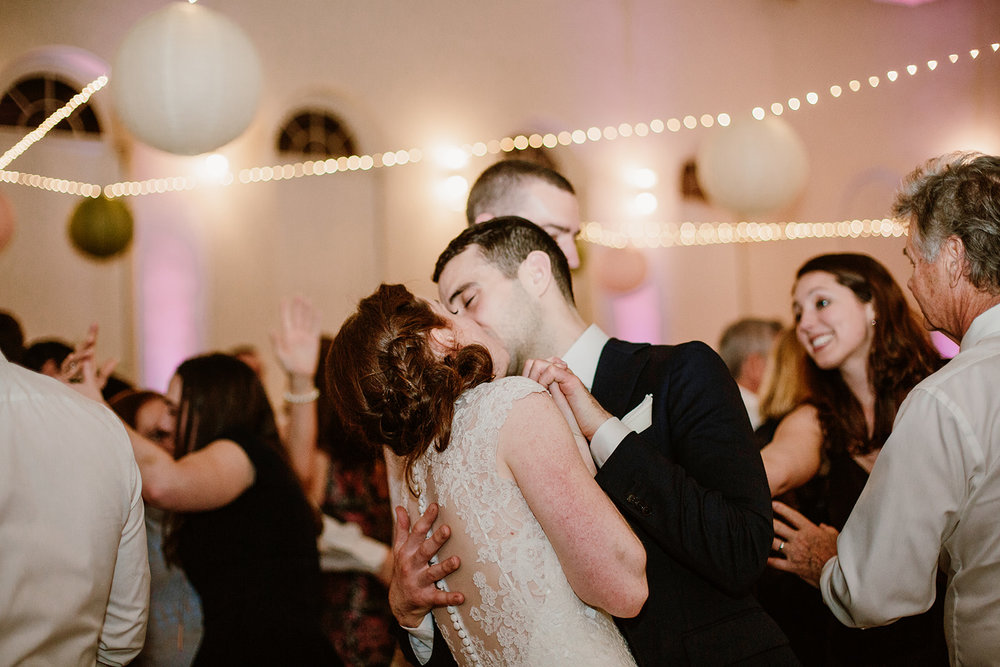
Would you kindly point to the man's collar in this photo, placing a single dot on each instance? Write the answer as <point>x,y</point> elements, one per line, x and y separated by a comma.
<point>986,324</point>
<point>583,355</point>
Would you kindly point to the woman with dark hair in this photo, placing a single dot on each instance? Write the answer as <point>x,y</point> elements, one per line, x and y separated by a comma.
<point>542,547</point>
<point>173,630</point>
<point>240,526</point>
<point>865,350</point>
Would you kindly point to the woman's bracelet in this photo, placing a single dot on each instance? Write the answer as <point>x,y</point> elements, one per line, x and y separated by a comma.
<point>307,397</point>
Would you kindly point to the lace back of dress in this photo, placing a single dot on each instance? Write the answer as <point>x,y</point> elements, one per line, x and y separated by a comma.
<point>519,606</point>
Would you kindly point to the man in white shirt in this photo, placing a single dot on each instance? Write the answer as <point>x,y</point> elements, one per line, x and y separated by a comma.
<point>934,494</point>
<point>74,579</point>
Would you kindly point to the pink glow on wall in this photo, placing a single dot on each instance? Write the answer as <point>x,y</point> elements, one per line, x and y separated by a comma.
<point>636,315</point>
<point>170,298</point>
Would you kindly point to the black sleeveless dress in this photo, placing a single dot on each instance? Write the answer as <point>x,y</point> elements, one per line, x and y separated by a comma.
<point>255,565</point>
<point>815,634</point>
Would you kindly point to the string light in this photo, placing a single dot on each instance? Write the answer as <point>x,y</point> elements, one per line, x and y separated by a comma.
<point>671,234</point>
<point>63,112</point>
<point>403,157</point>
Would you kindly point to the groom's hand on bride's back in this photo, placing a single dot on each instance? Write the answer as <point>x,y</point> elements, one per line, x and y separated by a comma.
<point>412,593</point>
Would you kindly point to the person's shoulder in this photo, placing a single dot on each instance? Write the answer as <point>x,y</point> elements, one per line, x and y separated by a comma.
<point>512,386</point>
<point>690,353</point>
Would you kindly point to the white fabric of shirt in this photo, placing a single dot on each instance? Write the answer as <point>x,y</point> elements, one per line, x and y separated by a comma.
<point>74,579</point>
<point>752,403</point>
<point>343,547</point>
<point>582,358</point>
<point>933,498</point>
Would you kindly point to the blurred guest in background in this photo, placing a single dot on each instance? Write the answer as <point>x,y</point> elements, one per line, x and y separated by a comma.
<point>174,629</point>
<point>744,347</point>
<point>866,350</point>
<point>933,495</point>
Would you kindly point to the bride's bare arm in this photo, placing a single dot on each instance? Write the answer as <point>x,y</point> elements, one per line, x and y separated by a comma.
<point>604,561</point>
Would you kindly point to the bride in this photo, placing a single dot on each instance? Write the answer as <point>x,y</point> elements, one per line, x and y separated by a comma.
<point>547,558</point>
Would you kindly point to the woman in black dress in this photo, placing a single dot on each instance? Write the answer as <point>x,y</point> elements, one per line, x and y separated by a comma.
<point>865,350</point>
<point>239,524</point>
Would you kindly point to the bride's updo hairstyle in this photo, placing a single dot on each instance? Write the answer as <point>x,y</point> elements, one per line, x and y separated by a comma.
<point>386,381</point>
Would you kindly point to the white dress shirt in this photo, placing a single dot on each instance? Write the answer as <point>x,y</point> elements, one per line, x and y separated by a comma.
<point>74,579</point>
<point>933,498</point>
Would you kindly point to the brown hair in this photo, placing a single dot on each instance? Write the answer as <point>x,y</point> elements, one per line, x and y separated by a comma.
<point>901,355</point>
<point>505,243</point>
<point>497,189</point>
<point>386,381</point>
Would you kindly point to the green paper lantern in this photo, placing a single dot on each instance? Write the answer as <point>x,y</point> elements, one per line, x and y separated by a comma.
<point>101,227</point>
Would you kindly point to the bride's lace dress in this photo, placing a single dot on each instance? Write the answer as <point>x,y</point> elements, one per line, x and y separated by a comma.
<point>519,608</point>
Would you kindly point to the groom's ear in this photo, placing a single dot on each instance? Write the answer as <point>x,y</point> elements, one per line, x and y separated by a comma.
<point>535,273</point>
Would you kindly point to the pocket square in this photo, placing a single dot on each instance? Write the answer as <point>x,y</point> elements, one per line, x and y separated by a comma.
<point>641,416</point>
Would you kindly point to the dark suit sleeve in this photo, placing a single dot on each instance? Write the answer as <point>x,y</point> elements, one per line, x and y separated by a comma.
<point>694,482</point>
<point>440,655</point>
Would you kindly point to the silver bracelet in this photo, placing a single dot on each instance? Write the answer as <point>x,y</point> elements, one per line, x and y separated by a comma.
<point>307,397</point>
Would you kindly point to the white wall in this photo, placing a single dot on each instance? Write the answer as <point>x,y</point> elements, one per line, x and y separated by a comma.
<point>415,74</point>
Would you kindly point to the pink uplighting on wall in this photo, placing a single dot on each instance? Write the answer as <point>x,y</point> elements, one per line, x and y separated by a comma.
<point>636,315</point>
<point>170,296</point>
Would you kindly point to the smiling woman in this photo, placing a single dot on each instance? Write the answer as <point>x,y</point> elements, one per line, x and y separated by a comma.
<point>865,350</point>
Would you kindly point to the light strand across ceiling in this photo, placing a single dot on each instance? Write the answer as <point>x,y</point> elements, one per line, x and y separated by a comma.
<point>58,116</point>
<point>672,234</point>
<point>652,234</point>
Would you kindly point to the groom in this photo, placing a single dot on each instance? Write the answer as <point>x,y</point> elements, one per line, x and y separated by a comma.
<point>672,445</point>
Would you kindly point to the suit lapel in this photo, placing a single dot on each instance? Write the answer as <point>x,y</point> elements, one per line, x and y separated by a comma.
<point>617,373</point>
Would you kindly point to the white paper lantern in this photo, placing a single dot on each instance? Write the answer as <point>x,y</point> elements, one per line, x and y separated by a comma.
<point>186,79</point>
<point>754,166</point>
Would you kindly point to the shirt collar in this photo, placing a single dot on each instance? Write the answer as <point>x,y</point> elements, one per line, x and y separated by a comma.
<point>583,355</point>
<point>986,324</point>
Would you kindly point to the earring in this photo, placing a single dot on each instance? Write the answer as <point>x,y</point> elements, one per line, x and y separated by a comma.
<point>873,321</point>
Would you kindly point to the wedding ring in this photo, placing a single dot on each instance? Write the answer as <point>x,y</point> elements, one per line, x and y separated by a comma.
<point>781,547</point>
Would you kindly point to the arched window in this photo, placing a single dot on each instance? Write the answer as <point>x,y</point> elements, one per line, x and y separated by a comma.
<point>317,133</point>
<point>32,99</point>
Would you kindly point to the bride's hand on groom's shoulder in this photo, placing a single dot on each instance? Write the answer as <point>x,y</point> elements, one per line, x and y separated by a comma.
<point>554,374</point>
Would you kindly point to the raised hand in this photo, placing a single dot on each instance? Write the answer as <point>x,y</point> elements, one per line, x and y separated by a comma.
<point>412,593</point>
<point>802,547</point>
<point>80,370</point>
<point>296,343</point>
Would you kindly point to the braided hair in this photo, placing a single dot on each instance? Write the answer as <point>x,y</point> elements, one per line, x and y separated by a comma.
<point>388,384</point>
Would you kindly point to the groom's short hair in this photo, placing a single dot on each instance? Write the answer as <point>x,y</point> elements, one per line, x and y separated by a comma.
<point>505,243</point>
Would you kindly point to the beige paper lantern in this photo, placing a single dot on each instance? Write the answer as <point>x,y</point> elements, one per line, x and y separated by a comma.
<point>753,166</point>
<point>186,79</point>
<point>620,270</point>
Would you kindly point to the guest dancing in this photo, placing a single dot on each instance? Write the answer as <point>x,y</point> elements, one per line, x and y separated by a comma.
<point>547,557</point>
<point>241,527</point>
<point>866,350</point>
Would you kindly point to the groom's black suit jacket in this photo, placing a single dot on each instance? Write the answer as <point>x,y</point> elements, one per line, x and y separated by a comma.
<point>693,487</point>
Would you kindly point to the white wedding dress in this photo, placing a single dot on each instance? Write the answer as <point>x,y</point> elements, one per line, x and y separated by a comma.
<point>519,608</point>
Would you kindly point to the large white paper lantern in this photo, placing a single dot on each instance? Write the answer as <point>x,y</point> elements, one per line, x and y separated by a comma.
<point>186,79</point>
<point>753,166</point>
